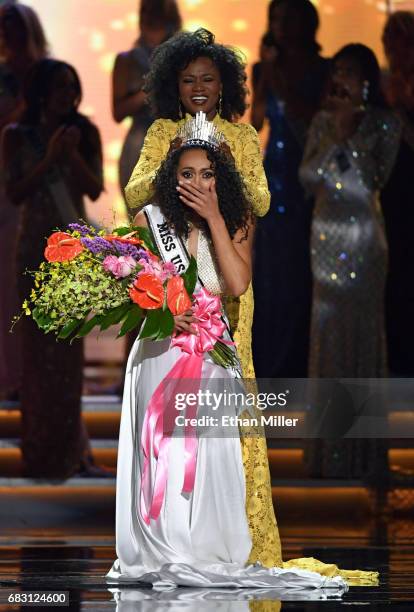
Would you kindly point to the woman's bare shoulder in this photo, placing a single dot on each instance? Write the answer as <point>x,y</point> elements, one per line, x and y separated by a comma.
<point>140,219</point>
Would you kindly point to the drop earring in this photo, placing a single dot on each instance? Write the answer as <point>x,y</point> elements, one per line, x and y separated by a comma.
<point>180,109</point>
<point>365,91</point>
<point>220,104</point>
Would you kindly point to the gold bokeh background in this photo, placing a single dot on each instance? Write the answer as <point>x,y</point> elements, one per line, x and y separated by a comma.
<point>89,34</point>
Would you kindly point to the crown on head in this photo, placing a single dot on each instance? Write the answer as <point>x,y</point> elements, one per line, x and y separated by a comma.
<point>199,131</point>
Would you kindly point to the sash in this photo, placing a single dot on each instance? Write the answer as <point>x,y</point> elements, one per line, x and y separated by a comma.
<point>170,246</point>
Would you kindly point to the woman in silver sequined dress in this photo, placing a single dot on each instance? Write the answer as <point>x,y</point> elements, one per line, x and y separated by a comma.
<point>350,152</point>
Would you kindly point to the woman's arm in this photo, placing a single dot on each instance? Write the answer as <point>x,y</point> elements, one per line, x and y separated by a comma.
<point>124,103</point>
<point>252,171</point>
<point>156,144</point>
<point>19,186</point>
<point>374,166</point>
<point>258,112</point>
<point>320,152</point>
<point>87,173</point>
<point>234,255</point>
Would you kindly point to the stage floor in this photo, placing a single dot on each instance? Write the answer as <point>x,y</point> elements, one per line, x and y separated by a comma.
<point>78,565</point>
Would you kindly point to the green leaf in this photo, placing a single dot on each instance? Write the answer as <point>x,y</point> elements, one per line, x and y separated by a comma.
<point>132,320</point>
<point>152,324</point>
<point>42,319</point>
<point>69,328</point>
<point>166,325</point>
<point>190,276</point>
<point>146,236</point>
<point>122,231</point>
<point>88,326</point>
<point>114,316</point>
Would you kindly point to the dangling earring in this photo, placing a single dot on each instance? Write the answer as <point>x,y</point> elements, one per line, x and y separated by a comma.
<point>365,91</point>
<point>180,109</point>
<point>220,104</point>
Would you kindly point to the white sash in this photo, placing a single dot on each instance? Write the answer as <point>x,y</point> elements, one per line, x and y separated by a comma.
<point>170,246</point>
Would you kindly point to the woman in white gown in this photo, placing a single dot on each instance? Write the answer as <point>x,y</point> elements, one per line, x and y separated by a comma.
<point>201,538</point>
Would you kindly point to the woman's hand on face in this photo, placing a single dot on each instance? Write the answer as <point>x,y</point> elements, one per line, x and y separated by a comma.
<point>71,138</point>
<point>182,322</point>
<point>56,144</point>
<point>346,115</point>
<point>202,200</point>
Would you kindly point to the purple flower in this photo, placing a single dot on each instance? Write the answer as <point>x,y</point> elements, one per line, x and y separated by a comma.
<point>97,245</point>
<point>126,249</point>
<point>83,230</point>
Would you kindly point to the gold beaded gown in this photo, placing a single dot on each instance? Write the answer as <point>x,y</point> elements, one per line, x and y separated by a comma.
<point>244,146</point>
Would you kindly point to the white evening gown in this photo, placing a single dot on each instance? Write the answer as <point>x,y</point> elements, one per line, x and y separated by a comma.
<point>199,539</point>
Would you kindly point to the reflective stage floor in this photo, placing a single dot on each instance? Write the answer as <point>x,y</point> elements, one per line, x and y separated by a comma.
<point>78,565</point>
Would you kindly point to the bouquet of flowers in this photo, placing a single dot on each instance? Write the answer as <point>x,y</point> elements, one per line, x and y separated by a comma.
<point>90,278</point>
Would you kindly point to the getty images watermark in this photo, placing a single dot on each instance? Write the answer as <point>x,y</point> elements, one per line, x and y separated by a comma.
<point>292,408</point>
<point>239,401</point>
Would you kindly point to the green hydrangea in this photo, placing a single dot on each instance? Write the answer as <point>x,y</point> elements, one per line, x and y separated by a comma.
<point>72,290</point>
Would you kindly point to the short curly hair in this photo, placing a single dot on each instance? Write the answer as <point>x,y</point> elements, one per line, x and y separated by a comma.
<point>233,203</point>
<point>175,54</point>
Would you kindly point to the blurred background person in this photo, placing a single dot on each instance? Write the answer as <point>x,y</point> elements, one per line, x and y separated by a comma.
<point>398,195</point>
<point>158,20</point>
<point>22,42</point>
<point>287,88</point>
<point>52,158</point>
<point>349,155</point>
<point>350,151</point>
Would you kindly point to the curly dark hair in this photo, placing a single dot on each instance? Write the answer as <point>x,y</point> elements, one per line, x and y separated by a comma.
<point>175,54</point>
<point>233,203</point>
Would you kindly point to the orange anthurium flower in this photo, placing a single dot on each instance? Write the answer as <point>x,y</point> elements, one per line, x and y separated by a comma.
<point>147,291</point>
<point>62,247</point>
<point>178,300</point>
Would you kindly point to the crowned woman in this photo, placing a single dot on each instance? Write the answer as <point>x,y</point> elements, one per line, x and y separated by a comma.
<point>181,518</point>
<point>190,73</point>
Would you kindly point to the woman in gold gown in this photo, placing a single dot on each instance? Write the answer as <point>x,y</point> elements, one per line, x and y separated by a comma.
<point>191,73</point>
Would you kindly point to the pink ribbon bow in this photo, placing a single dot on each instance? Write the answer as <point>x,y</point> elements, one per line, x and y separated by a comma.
<point>160,415</point>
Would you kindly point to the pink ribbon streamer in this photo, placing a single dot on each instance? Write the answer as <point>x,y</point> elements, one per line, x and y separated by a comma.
<point>160,415</point>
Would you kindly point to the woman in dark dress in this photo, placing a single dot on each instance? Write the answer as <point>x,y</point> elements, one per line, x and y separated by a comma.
<point>52,159</point>
<point>397,197</point>
<point>22,42</point>
<point>288,84</point>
